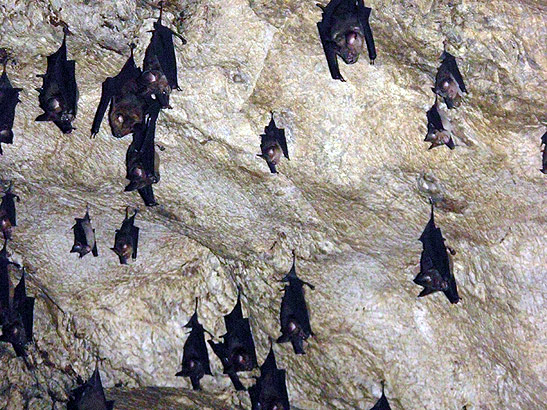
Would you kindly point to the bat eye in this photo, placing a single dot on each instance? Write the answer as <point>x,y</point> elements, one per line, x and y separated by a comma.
<point>445,85</point>
<point>192,364</point>
<point>120,119</point>
<point>241,359</point>
<point>292,326</point>
<point>4,133</point>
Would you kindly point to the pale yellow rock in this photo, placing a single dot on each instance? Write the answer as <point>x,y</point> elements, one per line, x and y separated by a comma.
<point>352,201</point>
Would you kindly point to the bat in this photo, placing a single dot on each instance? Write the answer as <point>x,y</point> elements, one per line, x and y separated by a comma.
<point>121,93</point>
<point>237,350</point>
<point>195,358</point>
<point>435,265</point>
<point>449,81</point>
<point>142,161</point>
<point>159,75</point>
<point>17,313</point>
<point>9,98</point>
<point>344,30</point>
<point>58,96</point>
<point>270,390</point>
<point>4,280</point>
<point>382,403</point>
<point>90,395</point>
<point>126,240</point>
<point>273,144</point>
<point>8,216</point>
<point>84,236</point>
<point>294,317</point>
<point>439,129</point>
<point>544,157</point>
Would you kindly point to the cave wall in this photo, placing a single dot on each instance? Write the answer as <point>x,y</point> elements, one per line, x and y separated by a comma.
<point>352,202</point>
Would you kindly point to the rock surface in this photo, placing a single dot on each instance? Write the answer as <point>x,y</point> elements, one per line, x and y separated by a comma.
<point>352,202</point>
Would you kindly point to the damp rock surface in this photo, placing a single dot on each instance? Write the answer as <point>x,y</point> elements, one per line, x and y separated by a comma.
<point>352,202</point>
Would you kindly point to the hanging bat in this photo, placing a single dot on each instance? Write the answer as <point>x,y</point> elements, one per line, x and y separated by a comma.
<point>4,280</point>
<point>159,75</point>
<point>9,98</point>
<point>84,236</point>
<point>126,240</point>
<point>294,317</point>
<point>195,358</point>
<point>544,157</point>
<point>273,144</point>
<point>435,265</point>
<point>439,128</point>
<point>8,218</point>
<point>237,350</point>
<point>90,395</point>
<point>121,93</point>
<point>343,30</point>
<point>382,403</point>
<point>16,316</point>
<point>142,161</point>
<point>449,81</point>
<point>270,390</point>
<point>58,96</point>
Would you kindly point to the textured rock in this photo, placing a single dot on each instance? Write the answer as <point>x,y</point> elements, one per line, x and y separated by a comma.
<point>352,202</point>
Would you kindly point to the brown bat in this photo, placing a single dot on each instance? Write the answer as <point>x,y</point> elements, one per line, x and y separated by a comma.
<point>126,241</point>
<point>127,108</point>
<point>344,30</point>
<point>159,75</point>
<point>449,81</point>
<point>439,128</point>
<point>8,218</point>
<point>273,144</point>
<point>84,236</point>
<point>59,93</point>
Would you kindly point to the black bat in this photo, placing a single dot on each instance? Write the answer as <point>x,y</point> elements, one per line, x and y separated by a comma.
<point>237,350</point>
<point>439,129</point>
<point>58,96</point>
<point>84,236</point>
<point>4,280</point>
<point>90,395</point>
<point>16,314</point>
<point>142,161</point>
<point>121,93</point>
<point>449,81</point>
<point>273,144</point>
<point>8,218</point>
<point>294,317</point>
<point>382,403</point>
<point>435,266</point>
<point>9,98</point>
<point>270,390</point>
<point>343,30</point>
<point>159,75</point>
<point>195,358</point>
<point>544,157</point>
<point>126,240</point>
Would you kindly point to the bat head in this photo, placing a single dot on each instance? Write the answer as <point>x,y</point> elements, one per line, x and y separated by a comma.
<point>432,279</point>
<point>448,88</point>
<point>14,333</point>
<point>123,250</point>
<point>156,86</point>
<point>5,224</point>
<point>349,45</point>
<point>140,178</point>
<point>438,138</point>
<point>125,115</point>
<point>6,135</point>
<point>241,360</point>
<point>81,249</point>
<point>192,367</point>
